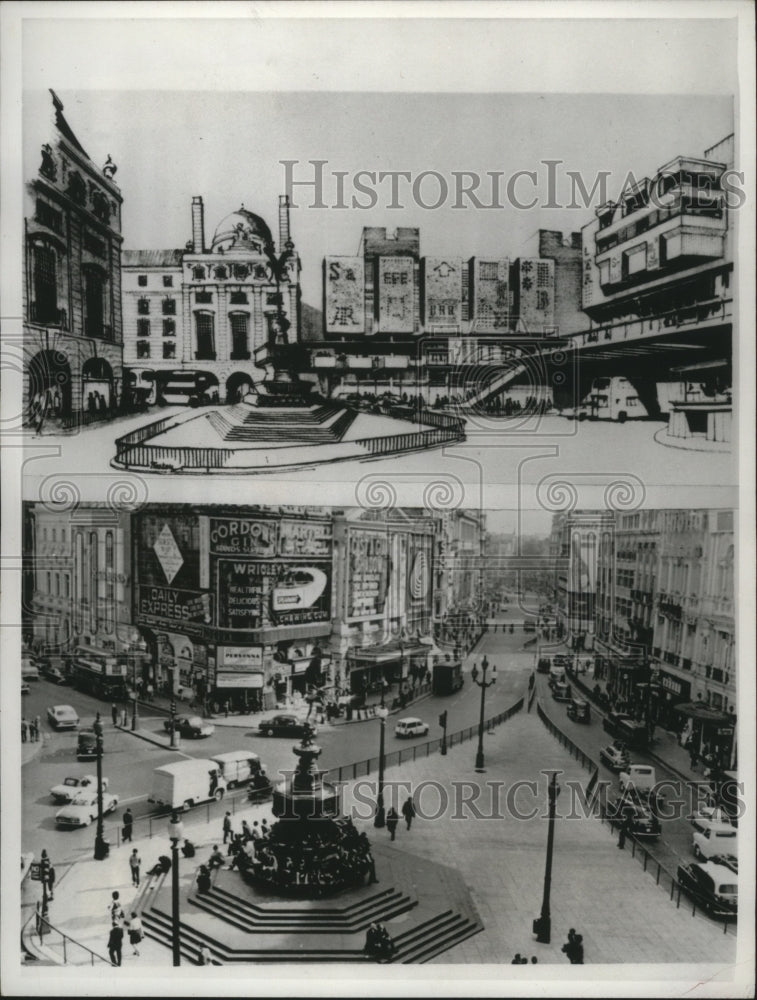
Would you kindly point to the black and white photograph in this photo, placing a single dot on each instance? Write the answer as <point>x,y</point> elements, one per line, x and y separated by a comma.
<point>378,498</point>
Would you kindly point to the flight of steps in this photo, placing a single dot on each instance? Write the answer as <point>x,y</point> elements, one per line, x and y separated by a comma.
<point>269,919</point>
<point>317,425</point>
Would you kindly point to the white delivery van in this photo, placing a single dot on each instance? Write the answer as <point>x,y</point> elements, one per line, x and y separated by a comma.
<point>185,783</point>
<point>237,766</point>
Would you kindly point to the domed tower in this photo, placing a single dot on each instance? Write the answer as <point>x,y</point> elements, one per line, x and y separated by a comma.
<point>242,230</point>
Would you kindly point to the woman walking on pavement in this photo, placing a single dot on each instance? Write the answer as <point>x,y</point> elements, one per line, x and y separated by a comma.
<point>392,819</point>
<point>135,931</point>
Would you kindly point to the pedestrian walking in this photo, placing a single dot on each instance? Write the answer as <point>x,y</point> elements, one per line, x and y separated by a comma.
<point>50,881</point>
<point>24,730</point>
<point>408,811</point>
<point>128,827</point>
<point>115,943</point>
<point>625,829</point>
<point>136,932</point>
<point>135,864</point>
<point>205,957</point>
<point>114,713</point>
<point>392,819</point>
<point>228,833</point>
<point>114,907</point>
<point>32,731</point>
<point>37,728</point>
<point>124,717</point>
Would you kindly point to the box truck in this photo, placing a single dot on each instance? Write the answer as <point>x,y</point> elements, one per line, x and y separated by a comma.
<point>186,783</point>
<point>447,677</point>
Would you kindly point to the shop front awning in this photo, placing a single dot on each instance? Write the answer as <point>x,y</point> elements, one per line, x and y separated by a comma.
<point>701,712</point>
<point>388,653</point>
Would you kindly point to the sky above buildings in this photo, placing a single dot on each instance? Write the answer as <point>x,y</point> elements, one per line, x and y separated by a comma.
<point>228,147</point>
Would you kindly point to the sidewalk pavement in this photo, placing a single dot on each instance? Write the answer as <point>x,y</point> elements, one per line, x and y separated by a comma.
<point>601,892</point>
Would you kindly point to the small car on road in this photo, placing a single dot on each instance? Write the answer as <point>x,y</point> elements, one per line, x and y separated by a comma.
<point>62,717</point>
<point>643,821</point>
<point>54,672</point>
<point>561,692</point>
<point>578,710</point>
<point>82,809</point>
<point>639,777</point>
<point>711,886</point>
<point>69,788</point>
<point>285,725</point>
<point>709,814</point>
<point>715,838</point>
<point>190,726</point>
<point>615,758</point>
<point>25,689</point>
<point>86,744</point>
<point>407,728</point>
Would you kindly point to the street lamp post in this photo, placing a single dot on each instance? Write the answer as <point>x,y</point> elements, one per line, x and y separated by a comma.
<point>173,724</point>
<point>134,708</point>
<point>102,847</point>
<point>176,833</point>
<point>483,684</point>
<point>380,817</point>
<point>542,926</point>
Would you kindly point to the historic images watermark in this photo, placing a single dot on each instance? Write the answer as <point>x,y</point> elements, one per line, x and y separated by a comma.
<point>524,799</point>
<point>551,185</point>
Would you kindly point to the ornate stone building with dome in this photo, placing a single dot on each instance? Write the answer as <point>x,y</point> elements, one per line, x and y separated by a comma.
<point>200,323</point>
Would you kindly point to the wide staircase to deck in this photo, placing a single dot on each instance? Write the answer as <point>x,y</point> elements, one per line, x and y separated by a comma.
<point>426,908</point>
<point>324,424</point>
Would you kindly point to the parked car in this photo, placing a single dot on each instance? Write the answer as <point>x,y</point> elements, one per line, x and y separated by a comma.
<point>615,758</point>
<point>578,710</point>
<point>407,728</point>
<point>191,726</point>
<point>29,668</point>
<point>82,809</point>
<point>643,821</point>
<point>62,717</point>
<point>86,744</point>
<point>715,838</point>
<point>711,886</point>
<point>70,787</point>
<point>640,777</point>
<point>709,814</point>
<point>285,725</point>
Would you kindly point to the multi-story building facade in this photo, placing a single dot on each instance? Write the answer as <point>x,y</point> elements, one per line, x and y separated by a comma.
<point>81,565</point>
<point>206,318</point>
<point>395,321</point>
<point>385,580</point>
<point>657,267</point>
<point>71,283</point>
<point>579,542</point>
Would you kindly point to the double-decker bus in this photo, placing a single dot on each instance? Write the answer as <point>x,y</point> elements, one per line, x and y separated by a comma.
<point>100,674</point>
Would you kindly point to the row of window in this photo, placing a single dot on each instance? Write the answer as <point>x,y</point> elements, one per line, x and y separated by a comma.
<point>168,306</point>
<point>143,327</point>
<point>143,349</point>
<point>44,286</point>
<point>166,278</point>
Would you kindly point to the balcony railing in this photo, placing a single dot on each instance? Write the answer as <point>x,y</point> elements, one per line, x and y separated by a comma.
<point>712,310</point>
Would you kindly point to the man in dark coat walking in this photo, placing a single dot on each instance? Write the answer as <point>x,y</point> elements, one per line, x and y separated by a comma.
<point>408,811</point>
<point>392,819</point>
<point>115,943</point>
<point>114,713</point>
<point>128,826</point>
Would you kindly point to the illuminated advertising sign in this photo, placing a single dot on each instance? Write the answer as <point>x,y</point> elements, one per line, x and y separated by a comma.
<point>305,538</point>
<point>172,606</point>
<point>396,294</point>
<point>420,564</point>
<point>442,291</point>
<point>343,294</point>
<point>254,595</point>
<point>242,658</point>
<point>243,536</point>
<point>369,571</point>
<point>168,550</point>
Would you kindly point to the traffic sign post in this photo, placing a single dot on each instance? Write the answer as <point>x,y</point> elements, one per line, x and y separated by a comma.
<point>443,724</point>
